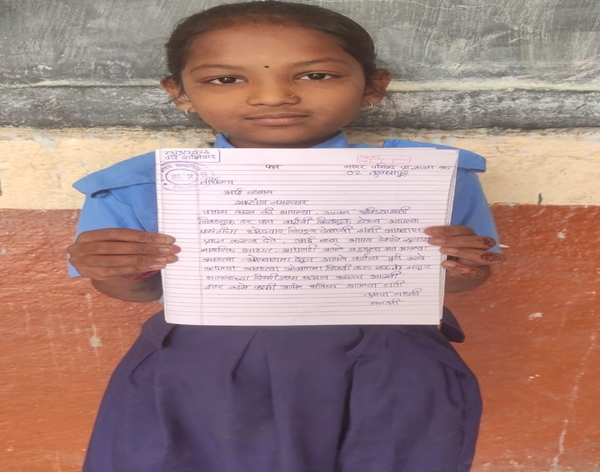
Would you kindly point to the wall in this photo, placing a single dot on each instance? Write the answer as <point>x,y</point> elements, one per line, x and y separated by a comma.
<point>517,81</point>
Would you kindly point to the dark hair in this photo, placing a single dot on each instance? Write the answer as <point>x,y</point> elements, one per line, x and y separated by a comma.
<point>350,35</point>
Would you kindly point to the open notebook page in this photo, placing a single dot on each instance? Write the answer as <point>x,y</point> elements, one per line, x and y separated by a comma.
<point>304,236</point>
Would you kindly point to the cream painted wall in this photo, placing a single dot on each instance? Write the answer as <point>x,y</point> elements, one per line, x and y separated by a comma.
<point>558,167</point>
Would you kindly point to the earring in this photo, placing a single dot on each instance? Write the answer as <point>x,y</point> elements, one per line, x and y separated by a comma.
<point>187,112</point>
<point>368,109</point>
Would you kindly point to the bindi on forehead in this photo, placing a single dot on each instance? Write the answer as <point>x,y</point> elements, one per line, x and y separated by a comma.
<point>267,67</point>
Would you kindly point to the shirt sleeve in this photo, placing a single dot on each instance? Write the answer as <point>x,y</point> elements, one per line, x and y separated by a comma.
<point>104,210</point>
<point>471,207</point>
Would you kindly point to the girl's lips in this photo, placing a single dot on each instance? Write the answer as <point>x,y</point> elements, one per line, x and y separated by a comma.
<point>277,120</point>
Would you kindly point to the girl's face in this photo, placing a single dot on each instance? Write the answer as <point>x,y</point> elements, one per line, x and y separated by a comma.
<point>273,86</point>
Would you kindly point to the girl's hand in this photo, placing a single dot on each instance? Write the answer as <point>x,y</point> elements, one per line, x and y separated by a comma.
<point>117,253</point>
<point>469,252</point>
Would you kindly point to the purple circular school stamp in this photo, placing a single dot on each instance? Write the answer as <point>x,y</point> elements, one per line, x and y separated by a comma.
<point>184,175</point>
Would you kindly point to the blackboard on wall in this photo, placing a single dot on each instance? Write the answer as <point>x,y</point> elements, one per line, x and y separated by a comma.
<point>457,63</point>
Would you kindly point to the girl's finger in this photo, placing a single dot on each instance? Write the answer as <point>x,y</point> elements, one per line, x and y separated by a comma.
<point>106,273</point>
<point>448,231</point>
<point>123,248</point>
<point>122,234</point>
<point>473,241</point>
<point>120,261</point>
<point>457,269</point>
<point>476,256</point>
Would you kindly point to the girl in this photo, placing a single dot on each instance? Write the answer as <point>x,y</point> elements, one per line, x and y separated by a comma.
<point>275,399</point>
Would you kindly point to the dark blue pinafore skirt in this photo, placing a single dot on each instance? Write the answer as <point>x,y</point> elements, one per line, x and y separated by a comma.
<point>287,399</point>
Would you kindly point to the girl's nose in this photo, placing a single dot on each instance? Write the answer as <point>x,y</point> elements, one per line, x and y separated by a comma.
<point>272,95</point>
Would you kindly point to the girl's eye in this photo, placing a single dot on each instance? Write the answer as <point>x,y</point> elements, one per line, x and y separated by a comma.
<point>224,80</point>
<point>317,76</point>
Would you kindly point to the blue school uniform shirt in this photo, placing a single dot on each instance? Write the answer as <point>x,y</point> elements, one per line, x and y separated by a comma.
<point>124,195</point>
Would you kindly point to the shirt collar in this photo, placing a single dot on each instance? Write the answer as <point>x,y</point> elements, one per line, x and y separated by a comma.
<point>338,141</point>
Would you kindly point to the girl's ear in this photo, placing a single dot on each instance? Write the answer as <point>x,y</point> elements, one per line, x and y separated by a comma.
<point>377,84</point>
<point>178,97</point>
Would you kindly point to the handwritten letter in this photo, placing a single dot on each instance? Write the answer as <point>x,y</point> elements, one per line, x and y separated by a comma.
<point>304,236</point>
